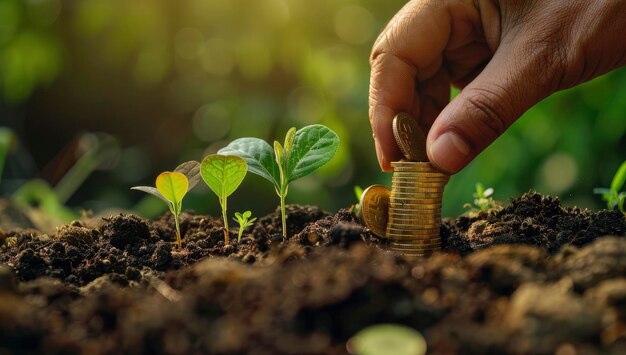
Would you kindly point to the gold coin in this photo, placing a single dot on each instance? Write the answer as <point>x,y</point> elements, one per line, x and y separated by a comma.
<point>412,166</point>
<point>414,222</point>
<point>417,207</point>
<point>404,163</point>
<point>408,199</point>
<point>421,196</point>
<point>374,209</point>
<point>409,212</point>
<point>416,243</point>
<point>410,137</point>
<point>416,249</point>
<point>414,213</point>
<point>417,193</point>
<point>418,181</point>
<point>430,232</point>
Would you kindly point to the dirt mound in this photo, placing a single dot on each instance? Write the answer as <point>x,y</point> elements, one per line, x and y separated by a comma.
<point>533,277</point>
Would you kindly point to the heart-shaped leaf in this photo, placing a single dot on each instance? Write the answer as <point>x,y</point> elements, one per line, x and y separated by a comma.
<point>313,146</point>
<point>191,170</point>
<point>172,185</point>
<point>259,156</point>
<point>223,173</point>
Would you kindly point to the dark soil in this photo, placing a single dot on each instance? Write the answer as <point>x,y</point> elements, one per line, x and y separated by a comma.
<point>533,277</point>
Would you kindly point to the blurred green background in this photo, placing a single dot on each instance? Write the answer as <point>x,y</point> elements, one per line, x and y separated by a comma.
<point>172,81</point>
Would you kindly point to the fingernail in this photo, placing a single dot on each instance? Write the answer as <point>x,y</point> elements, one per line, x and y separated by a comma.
<point>449,152</point>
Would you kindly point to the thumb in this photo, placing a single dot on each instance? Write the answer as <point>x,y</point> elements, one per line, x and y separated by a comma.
<point>508,86</point>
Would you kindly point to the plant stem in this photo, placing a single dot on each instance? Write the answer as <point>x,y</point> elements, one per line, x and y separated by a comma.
<point>283,214</point>
<point>240,233</point>
<point>223,202</point>
<point>179,241</point>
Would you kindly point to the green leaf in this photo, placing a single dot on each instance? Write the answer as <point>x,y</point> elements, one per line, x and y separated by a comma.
<point>150,190</point>
<point>313,147</point>
<point>279,152</point>
<point>191,170</point>
<point>247,214</point>
<point>289,137</point>
<point>259,156</point>
<point>173,186</point>
<point>223,173</point>
<point>620,178</point>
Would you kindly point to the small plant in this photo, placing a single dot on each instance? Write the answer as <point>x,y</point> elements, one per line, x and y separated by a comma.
<point>223,174</point>
<point>171,187</point>
<point>613,197</point>
<point>358,192</point>
<point>387,339</point>
<point>244,221</point>
<point>303,152</point>
<point>482,199</point>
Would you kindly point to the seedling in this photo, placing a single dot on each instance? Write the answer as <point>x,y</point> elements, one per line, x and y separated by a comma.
<point>482,199</point>
<point>6,140</point>
<point>387,339</point>
<point>171,187</point>
<point>613,197</point>
<point>244,222</point>
<point>223,174</point>
<point>303,152</point>
<point>358,192</point>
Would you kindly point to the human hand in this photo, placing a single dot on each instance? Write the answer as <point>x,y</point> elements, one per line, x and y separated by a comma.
<point>506,55</point>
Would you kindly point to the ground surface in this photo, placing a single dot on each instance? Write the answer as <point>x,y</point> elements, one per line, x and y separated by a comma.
<point>532,278</point>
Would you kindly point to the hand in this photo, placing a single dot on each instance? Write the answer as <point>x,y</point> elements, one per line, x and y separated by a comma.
<point>506,55</point>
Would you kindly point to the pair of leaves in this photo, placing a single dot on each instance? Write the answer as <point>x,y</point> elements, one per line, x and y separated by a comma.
<point>244,218</point>
<point>223,173</point>
<point>308,149</point>
<point>172,186</point>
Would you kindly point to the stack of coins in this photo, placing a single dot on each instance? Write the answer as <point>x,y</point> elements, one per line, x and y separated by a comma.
<point>414,215</point>
<point>410,214</point>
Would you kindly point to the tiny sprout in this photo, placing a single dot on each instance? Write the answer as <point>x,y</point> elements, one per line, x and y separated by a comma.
<point>358,192</point>
<point>387,339</point>
<point>223,174</point>
<point>613,197</point>
<point>483,201</point>
<point>303,152</point>
<point>171,187</point>
<point>244,222</point>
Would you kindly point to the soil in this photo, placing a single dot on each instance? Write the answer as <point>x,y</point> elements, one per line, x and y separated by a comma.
<point>533,277</point>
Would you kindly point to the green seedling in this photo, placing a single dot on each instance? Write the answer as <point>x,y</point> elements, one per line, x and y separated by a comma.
<point>358,192</point>
<point>613,197</point>
<point>244,222</point>
<point>483,201</point>
<point>6,141</point>
<point>171,187</point>
<point>223,174</point>
<point>387,339</point>
<point>303,152</point>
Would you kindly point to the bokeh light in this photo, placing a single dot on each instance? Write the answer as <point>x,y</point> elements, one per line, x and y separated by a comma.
<point>173,81</point>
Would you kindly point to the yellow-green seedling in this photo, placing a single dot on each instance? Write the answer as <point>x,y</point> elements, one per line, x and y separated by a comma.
<point>303,152</point>
<point>6,142</point>
<point>483,201</point>
<point>223,174</point>
<point>171,187</point>
<point>387,339</point>
<point>244,221</point>
<point>613,197</point>
<point>358,192</point>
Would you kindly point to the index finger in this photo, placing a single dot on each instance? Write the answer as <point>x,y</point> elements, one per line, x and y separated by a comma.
<point>409,49</point>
